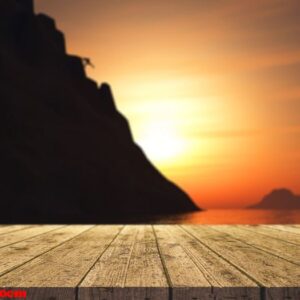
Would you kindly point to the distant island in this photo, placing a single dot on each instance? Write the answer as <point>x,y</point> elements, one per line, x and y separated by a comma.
<point>278,199</point>
<point>67,153</point>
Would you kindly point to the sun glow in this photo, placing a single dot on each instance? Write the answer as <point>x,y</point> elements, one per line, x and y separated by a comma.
<point>164,117</point>
<point>162,142</point>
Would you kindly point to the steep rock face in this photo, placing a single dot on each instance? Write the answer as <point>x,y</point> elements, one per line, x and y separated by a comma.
<point>67,154</point>
<point>279,199</point>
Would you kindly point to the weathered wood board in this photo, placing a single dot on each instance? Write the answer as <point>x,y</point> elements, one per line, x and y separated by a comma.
<point>145,262</point>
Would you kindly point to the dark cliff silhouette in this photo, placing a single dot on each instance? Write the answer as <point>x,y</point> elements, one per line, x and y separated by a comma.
<point>279,199</point>
<point>67,154</point>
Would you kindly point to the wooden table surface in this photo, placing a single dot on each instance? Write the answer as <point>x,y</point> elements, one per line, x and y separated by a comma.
<point>145,262</point>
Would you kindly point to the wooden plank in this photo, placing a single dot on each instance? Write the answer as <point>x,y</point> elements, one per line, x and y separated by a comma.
<point>145,267</point>
<point>63,267</point>
<point>188,262</point>
<point>274,233</point>
<point>267,270</point>
<point>19,253</point>
<point>110,269</point>
<point>122,293</point>
<point>225,279</point>
<point>271,245</point>
<point>129,269</point>
<point>12,228</point>
<point>287,228</point>
<point>281,293</point>
<point>183,275</point>
<point>21,235</point>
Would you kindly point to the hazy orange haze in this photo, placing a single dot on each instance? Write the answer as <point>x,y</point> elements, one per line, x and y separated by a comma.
<point>211,88</point>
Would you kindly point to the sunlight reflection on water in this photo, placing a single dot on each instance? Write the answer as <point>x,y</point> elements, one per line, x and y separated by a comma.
<point>234,216</point>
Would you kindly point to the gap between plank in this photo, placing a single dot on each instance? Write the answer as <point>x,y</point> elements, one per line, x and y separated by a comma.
<point>194,260</point>
<point>232,264</point>
<point>16,267</point>
<point>97,259</point>
<point>270,235</point>
<point>256,247</point>
<point>169,281</point>
<point>129,259</point>
<point>14,230</point>
<point>62,226</point>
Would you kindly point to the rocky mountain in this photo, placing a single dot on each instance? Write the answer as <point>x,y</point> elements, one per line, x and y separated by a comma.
<point>67,154</point>
<point>279,199</point>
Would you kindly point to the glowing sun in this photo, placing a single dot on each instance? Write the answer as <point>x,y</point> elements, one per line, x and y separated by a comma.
<point>161,141</point>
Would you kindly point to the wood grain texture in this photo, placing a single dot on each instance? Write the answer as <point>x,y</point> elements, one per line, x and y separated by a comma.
<point>145,268</point>
<point>287,228</point>
<point>144,262</point>
<point>281,293</point>
<point>21,252</point>
<point>124,293</point>
<point>182,272</point>
<point>110,270</point>
<point>274,246</point>
<point>21,235</point>
<point>131,266</point>
<point>12,228</point>
<point>225,280</point>
<point>271,231</point>
<point>267,270</point>
<point>65,266</point>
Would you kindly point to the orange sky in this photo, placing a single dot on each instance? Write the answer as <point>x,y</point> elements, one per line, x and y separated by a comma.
<point>211,88</point>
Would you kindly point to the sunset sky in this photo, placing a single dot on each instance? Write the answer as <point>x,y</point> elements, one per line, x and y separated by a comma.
<point>211,88</point>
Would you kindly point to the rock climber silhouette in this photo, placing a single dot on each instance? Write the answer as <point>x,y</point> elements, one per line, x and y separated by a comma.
<point>87,62</point>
